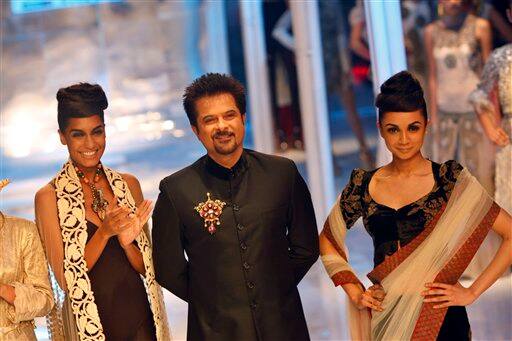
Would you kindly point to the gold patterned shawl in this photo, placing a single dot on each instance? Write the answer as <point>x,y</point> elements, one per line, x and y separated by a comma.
<point>439,253</point>
<point>70,204</point>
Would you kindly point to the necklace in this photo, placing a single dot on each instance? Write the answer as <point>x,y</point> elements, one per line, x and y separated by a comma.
<point>99,204</point>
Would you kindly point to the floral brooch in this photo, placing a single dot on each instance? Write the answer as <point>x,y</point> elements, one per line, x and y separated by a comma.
<point>210,211</point>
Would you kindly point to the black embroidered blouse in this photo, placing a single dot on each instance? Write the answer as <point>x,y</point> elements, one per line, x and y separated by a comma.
<point>390,228</point>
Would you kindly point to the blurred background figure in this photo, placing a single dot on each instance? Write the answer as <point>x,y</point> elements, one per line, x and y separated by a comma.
<point>359,42</point>
<point>415,16</point>
<point>493,104</point>
<point>283,74</point>
<point>496,12</point>
<point>457,45</point>
<point>337,70</point>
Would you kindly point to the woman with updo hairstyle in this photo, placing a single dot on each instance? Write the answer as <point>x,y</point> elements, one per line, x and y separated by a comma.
<point>91,219</point>
<point>426,221</point>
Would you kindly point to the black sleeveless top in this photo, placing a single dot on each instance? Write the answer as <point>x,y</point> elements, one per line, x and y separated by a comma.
<point>391,229</point>
<point>120,294</point>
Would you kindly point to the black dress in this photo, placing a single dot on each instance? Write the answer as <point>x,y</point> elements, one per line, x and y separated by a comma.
<point>391,229</point>
<point>120,295</point>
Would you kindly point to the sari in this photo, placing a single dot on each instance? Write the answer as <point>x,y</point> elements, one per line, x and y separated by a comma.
<point>439,253</point>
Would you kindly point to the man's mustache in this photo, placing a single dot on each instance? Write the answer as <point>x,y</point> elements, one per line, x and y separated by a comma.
<point>224,133</point>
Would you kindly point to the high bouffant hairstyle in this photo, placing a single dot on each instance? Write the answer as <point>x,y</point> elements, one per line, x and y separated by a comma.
<point>401,93</point>
<point>212,84</point>
<point>78,101</point>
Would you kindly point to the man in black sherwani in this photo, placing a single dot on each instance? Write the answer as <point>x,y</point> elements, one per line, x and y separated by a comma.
<point>245,222</point>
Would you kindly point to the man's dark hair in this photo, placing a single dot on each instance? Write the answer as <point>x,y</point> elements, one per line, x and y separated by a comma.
<point>78,101</point>
<point>401,93</point>
<point>212,84</point>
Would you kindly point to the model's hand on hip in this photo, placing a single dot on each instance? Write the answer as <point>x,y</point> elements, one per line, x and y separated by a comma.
<point>448,295</point>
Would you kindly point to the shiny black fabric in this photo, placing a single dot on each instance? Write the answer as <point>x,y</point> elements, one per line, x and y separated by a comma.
<point>240,282</point>
<point>391,229</point>
<point>120,295</point>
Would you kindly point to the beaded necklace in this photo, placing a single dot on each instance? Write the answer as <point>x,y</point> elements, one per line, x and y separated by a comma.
<point>99,203</point>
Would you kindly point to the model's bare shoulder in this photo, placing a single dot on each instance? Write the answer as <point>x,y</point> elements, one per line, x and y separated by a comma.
<point>129,177</point>
<point>45,203</point>
<point>45,196</point>
<point>429,28</point>
<point>483,23</point>
<point>134,186</point>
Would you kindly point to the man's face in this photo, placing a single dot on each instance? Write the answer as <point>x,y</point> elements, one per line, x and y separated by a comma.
<point>220,125</point>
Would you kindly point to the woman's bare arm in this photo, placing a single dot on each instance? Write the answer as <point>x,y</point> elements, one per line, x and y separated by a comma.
<point>360,297</point>
<point>503,258</point>
<point>501,25</point>
<point>356,41</point>
<point>484,36</point>
<point>132,252</point>
<point>49,229</point>
<point>457,295</point>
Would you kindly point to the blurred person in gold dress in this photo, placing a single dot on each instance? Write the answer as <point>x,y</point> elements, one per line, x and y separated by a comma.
<point>25,291</point>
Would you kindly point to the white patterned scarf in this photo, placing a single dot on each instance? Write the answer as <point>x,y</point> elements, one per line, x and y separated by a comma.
<point>86,324</point>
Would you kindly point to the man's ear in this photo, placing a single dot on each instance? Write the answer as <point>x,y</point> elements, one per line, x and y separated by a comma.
<point>244,118</point>
<point>194,129</point>
<point>62,138</point>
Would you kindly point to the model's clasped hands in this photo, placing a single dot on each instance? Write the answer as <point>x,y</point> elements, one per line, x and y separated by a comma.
<point>371,298</point>
<point>448,295</point>
<point>124,224</point>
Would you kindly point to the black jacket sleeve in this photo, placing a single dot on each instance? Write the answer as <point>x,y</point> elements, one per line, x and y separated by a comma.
<point>171,266</point>
<point>302,230</point>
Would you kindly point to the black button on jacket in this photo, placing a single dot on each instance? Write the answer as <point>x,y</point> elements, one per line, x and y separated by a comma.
<point>241,281</point>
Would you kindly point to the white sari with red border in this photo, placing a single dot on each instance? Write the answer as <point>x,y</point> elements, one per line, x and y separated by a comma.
<point>440,253</point>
